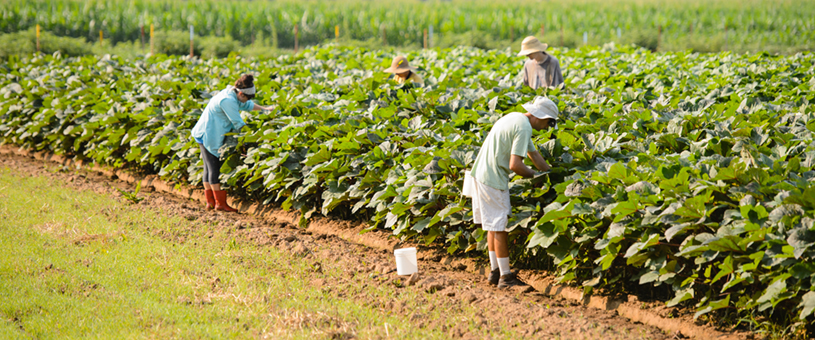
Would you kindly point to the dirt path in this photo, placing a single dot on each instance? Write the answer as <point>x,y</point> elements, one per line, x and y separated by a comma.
<point>445,283</point>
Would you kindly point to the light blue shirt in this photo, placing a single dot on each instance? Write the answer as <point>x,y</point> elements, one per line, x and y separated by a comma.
<point>221,115</point>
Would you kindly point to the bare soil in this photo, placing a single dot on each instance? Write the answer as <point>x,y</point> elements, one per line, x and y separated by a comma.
<point>446,280</point>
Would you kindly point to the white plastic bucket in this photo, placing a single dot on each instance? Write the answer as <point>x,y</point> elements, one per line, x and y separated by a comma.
<point>467,190</point>
<point>405,261</point>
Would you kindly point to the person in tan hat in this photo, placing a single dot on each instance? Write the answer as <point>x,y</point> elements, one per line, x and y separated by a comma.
<point>403,72</point>
<point>504,149</point>
<point>542,69</point>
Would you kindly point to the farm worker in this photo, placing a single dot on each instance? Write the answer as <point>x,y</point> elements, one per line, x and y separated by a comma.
<point>219,117</point>
<point>542,69</point>
<point>504,149</point>
<point>403,72</point>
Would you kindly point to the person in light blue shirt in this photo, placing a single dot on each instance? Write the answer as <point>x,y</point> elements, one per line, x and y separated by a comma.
<point>222,115</point>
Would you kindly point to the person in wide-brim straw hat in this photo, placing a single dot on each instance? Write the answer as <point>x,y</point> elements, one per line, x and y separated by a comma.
<point>403,72</point>
<point>542,69</point>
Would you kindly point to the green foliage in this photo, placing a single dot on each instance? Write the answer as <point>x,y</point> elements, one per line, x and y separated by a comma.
<point>683,172</point>
<point>750,25</point>
<point>25,42</point>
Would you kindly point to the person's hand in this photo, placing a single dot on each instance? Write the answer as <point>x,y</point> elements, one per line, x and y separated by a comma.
<point>540,173</point>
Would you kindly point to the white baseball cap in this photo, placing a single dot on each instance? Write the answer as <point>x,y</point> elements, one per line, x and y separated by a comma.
<point>542,108</point>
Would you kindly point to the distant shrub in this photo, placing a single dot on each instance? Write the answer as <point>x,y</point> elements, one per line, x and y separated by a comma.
<point>702,44</point>
<point>568,39</point>
<point>262,52</point>
<point>25,42</point>
<point>178,43</point>
<point>217,47</point>
<point>644,38</point>
<point>477,39</point>
<point>171,42</point>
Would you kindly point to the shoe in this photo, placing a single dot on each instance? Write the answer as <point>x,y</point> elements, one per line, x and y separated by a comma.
<point>494,276</point>
<point>510,280</point>
<point>220,201</point>
<point>210,199</point>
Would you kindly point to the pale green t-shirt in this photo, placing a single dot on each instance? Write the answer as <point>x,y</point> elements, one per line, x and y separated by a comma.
<point>511,135</point>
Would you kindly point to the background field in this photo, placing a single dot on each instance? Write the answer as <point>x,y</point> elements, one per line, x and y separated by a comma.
<point>262,27</point>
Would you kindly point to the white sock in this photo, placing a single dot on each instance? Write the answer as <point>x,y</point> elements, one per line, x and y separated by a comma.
<point>503,263</point>
<point>493,261</point>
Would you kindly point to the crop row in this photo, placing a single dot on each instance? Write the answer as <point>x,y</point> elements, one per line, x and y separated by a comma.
<point>686,173</point>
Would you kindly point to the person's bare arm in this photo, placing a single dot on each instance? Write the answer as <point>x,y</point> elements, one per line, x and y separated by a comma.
<point>516,164</point>
<point>261,108</point>
<point>538,161</point>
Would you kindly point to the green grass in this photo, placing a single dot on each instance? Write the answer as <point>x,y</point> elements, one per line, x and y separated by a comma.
<point>79,264</point>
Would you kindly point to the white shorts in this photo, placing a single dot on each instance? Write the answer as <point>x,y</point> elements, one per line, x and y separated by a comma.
<point>490,206</point>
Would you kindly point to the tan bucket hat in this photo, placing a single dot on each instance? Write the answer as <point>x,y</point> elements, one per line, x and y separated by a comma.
<point>531,45</point>
<point>400,65</point>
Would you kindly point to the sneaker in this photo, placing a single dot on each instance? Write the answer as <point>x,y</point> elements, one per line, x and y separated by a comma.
<point>494,275</point>
<point>510,280</point>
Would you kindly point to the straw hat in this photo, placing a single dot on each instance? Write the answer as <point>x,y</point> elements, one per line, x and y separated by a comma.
<point>400,65</point>
<point>531,45</point>
<point>542,108</point>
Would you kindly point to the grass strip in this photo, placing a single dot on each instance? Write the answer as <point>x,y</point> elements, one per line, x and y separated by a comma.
<point>79,264</point>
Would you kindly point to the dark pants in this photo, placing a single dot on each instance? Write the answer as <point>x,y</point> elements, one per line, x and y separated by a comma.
<point>212,166</point>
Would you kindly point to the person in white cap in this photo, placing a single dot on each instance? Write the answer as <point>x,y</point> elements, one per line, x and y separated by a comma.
<point>403,72</point>
<point>504,149</point>
<point>542,69</point>
<point>222,115</point>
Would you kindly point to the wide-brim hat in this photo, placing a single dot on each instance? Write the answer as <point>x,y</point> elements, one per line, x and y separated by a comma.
<point>531,45</point>
<point>400,65</point>
<point>542,108</point>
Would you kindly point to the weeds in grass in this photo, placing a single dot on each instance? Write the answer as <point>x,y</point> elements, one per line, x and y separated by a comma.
<point>132,197</point>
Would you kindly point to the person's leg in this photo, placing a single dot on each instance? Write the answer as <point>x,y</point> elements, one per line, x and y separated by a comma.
<point>205,175</point>
<point>212,170</point>
<point>491,250</point>
<point>502,251</point>
<point>213,174</point>
<point>499,212</point>
<point>478,219</point>
<point>208,193</point>
<point>495,273</point>
<point>508,278</point>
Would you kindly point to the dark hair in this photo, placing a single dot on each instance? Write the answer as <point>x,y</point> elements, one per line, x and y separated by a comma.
<point>244,82</point>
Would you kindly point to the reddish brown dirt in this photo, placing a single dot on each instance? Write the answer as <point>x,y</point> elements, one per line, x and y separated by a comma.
<point>446,280</point>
